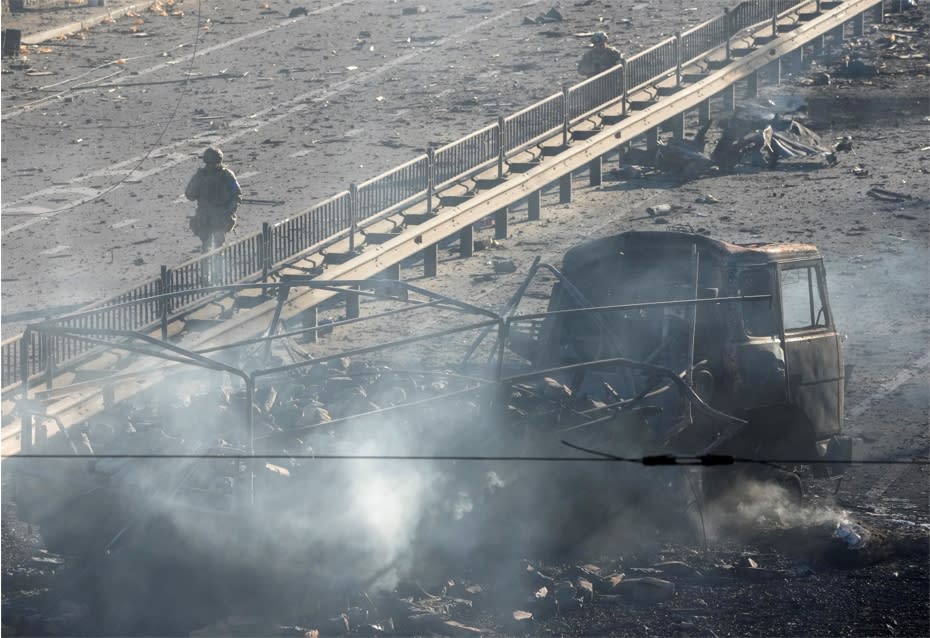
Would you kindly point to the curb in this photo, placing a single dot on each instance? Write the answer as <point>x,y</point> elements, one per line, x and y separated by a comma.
<point>80,25</point>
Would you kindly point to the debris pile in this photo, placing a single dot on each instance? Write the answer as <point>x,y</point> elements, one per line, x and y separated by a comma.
<point>763,138</point>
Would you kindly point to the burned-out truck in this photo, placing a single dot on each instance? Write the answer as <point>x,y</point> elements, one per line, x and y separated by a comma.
<point>657,347</point>
<point>746,328</point>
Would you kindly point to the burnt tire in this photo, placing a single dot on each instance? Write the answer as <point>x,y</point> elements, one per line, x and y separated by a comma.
<point>790,482</point>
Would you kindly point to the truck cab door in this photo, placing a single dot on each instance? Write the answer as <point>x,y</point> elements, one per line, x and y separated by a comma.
<point>811,344</point>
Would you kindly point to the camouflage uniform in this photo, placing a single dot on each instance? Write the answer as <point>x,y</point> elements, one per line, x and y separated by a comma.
<point>598,59</point>
<point>217,193</point>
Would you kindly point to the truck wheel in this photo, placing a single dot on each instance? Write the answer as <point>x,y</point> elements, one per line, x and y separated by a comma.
<point>792,484</point>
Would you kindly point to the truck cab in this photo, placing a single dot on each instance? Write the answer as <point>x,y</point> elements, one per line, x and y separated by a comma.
<point>747,326</point>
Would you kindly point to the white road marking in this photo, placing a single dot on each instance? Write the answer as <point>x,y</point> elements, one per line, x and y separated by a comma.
<point>247,175</point>
<point>250,124</point>
<point>88,194</point>
<point>8,113</point>
<point>896,471</point>
<point>125,222</point>
<point>60,248</point>
<point>890,386</point>
<point>25,210</point>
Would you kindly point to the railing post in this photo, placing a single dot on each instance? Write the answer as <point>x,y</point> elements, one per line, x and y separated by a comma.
<point>652,141</point>
<point>859,24</point>
<point>431,260</point>
<point>25,431</point>
<point>566,113</point>
<point>594,171</point>
<point>501,148</point>
<point>752,85</point>
<point>353,309</point>
<point>266,250</point>
<point>467,241</point>
<point>729,98</point>
<point>25,419</point>
<point>309,320</point>
<point>704,112</point>
<point>533,206</point>
<point>165,289</point>
<point>678,59</point>
<point>880,12</point>
<point>624,85</point>
<point>430,178</point>
<point>25,351</point>
<point>565,188</point>
<point>353,214</point>
<point>774,19</point>
<point>47,341</point>
<point>677,126</point>
<point>728,20</point>
<point>500,223</point>
<point>41,431</point>
<point>817,46</point>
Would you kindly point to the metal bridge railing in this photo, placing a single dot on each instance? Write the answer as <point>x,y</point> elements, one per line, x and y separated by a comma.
<point>534,123</point>
<point>387,191</point>
<point>454,161</point>
<point>595,93</point>
<point>296,234</point>
<point>333,218</point>
<point>652,64</point>
<point>704,37</point>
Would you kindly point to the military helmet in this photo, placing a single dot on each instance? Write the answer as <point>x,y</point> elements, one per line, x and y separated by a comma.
<point>599,38</point>
<point>213,156</point>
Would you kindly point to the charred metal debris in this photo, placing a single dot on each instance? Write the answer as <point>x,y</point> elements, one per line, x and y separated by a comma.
<point>658,345</point>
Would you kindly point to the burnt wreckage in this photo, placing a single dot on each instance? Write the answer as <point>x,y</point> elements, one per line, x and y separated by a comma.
<point>655,344</point>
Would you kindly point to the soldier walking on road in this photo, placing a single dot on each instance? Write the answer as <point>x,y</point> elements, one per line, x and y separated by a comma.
<point>217,193</point>
<point>599,58</point>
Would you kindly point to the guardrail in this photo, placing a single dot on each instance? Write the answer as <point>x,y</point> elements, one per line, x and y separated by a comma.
<point>255,256</point>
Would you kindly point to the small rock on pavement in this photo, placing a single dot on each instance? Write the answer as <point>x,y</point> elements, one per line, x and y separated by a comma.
<point>504,266</point>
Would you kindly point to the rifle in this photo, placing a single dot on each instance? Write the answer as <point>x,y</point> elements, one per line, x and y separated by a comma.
<point>262,202</point>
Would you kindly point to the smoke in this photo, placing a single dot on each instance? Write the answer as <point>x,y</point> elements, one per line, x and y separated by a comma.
<point>752,505</point>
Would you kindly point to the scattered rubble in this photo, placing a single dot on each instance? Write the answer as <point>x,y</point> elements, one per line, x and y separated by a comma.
<point>550,16</point>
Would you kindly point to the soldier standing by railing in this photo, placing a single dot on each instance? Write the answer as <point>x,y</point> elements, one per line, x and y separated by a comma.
<point>600,58</point>
<point>217,193</point>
